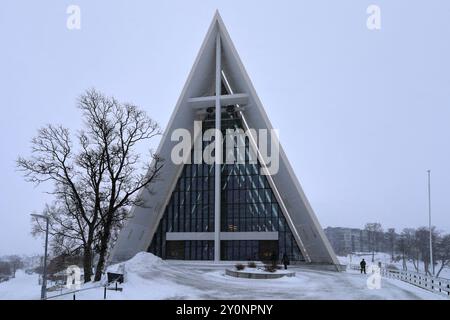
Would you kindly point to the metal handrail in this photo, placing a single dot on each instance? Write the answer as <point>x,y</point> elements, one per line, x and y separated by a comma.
<point>424,281</point>
<point>73,292</point>
<point>434,284</point>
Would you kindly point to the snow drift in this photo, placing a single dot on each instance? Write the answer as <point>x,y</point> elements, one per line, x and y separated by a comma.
<point>141,263</point>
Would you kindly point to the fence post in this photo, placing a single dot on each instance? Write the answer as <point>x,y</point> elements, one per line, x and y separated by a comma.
<point>74,296</point>
<point>104,294</point>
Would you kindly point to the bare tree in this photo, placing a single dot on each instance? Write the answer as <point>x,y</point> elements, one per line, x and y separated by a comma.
<point>61,262</point>
<point>96,183</point>
<point>422,247</point>
<point>410,248</point>
<point>5,268</point>
<point>402,246</point>
<point>70,232</point>
<point>375,233</point>
<point>442,249</point>
<point>422,243</point>
<point>16,263</point>
<point>392,236</point>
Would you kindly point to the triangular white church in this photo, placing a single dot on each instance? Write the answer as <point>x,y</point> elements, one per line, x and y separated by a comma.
<point>228,212</point>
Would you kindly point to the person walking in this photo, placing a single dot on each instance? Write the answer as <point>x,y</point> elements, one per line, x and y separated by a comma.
<point>362,264</point>
<point>285,261</point>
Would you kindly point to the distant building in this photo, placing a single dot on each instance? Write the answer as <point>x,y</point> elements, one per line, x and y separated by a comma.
<point>347,240</point>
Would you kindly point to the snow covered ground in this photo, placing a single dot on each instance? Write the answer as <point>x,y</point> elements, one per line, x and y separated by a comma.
<point>23,286</point>
<point>385,259</point>
<point>148,277</point>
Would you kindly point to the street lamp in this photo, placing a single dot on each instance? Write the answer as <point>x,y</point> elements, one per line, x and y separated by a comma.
<point>44,274</point>
<point>429,221</point>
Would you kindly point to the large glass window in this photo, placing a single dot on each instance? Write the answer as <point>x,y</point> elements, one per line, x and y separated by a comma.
<point>247,205</point>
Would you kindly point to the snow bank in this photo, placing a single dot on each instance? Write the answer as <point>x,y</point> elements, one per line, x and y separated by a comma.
<point>142,262</point>
<point>147,276</point>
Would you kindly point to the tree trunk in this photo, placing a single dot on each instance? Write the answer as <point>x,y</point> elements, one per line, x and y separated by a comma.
<point>103,250</point>
<point>415,264</point>
<point>440,269</point>
<point>87,263</point>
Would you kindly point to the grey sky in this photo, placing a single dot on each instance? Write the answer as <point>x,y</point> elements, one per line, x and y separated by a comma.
<point>362,114</point>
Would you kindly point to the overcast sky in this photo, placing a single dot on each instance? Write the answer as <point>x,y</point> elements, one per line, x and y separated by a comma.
<point>362,114</point>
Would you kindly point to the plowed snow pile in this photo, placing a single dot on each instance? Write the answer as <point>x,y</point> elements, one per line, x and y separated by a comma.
<point>142,262</point>
<point>147,276</point>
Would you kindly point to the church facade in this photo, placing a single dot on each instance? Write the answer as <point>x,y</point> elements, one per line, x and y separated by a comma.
<point>223,210</point>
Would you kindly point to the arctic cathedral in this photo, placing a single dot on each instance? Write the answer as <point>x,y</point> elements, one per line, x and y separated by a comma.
<point>223,211</point>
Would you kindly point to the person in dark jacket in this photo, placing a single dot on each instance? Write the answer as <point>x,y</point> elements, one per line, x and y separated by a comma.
<point>285,261</point>
<point>363,266</point>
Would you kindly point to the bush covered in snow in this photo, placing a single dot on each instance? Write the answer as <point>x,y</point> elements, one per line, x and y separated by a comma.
<point>270,268</point>
<point>239,266</point>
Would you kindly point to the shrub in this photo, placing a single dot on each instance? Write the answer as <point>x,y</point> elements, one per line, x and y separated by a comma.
<point>392,266</point>
<point>251,264</point>
<point>270,268</point>
<point>239,266</point>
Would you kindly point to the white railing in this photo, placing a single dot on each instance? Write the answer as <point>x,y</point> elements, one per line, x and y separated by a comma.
<point>427,282</point>
<point>434,284</point>
<point>74,292</point>
<point>354,267</point>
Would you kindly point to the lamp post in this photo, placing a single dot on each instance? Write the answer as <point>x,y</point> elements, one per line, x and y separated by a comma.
<point>429,222</point>
<point>44,274</point>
